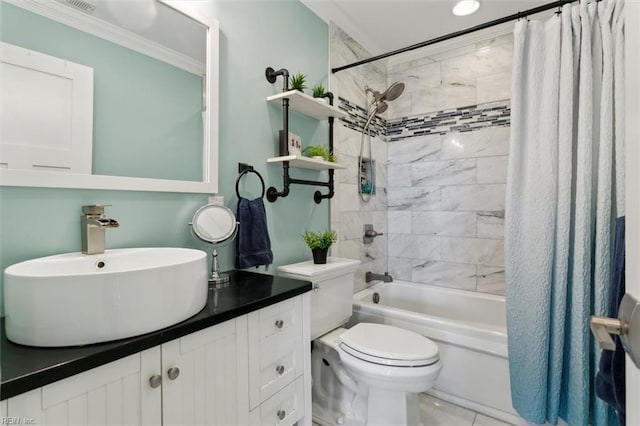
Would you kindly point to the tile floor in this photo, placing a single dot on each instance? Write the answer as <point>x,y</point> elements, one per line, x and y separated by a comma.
<point>436,412</point>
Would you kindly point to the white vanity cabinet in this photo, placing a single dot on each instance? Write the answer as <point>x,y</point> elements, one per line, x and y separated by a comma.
<point>204,376</point>
<point>114,393</point>
<point>279,363</point>
<point>253,369</point>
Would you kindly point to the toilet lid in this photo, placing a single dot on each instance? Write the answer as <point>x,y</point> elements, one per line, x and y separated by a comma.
<point>388,345</point>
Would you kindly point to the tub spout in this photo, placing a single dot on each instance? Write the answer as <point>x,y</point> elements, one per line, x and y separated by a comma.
<point>370,276</point>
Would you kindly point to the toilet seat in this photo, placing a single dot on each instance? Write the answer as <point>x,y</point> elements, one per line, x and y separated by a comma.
<point>389,346</point>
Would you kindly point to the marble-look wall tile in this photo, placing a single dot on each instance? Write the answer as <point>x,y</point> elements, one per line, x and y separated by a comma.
<point>472,250</point>
<point>487,142</point>
<point>473,197</point>
<point>399,222</point>
<point>491,279</point>
<point>491,224</point>
<point>452,224</point>
<point>351,224</point>
<point>464,76</point>
<point>351,212</point>
<point>495,87</point>
<point>416,78</point>
<point>451,172</point>
<point>422,198</point>
<point>440,199</point>
<point>398,175</point>
<point>348,197</point>
<point>350,174</point>
<point>400,268</point>
<point>466,69</point>
<point>442,97</point>
<point>492,169</point>
<point>415,150</point>
<point>446,274</point>
<point>414,246</point>
<point>346,141</point>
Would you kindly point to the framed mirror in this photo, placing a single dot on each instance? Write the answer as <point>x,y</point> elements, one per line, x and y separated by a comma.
<point>150,72</point>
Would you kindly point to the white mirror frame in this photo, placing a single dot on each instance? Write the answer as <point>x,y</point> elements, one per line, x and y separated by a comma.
<point>209,184</point>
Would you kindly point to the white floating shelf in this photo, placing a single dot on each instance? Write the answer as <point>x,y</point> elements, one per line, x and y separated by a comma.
<point>307,105</point>
<point>302,162</point>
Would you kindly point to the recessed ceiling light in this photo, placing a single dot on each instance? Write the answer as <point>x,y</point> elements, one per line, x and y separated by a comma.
<point>466,7</point>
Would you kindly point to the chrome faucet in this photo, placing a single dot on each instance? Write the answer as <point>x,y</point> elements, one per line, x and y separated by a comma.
<point>370,276</point>
<point>93,224</point>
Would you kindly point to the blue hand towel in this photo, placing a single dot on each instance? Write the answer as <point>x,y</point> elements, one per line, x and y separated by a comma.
<point>610,381</point>
<point>253,246</point>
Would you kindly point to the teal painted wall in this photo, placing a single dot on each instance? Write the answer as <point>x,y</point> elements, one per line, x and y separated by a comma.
<point>139,101</point>
<point>253,35</point>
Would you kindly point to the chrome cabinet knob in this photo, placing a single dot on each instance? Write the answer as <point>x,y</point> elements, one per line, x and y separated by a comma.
<point>316,288</point>
<point>280,369</point>
<point>155,381</point>
<point>282,414</point>
<point>279,323</point>
<point>173,373</point>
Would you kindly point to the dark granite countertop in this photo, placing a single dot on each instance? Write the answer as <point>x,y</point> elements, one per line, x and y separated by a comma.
<point>25,368</point>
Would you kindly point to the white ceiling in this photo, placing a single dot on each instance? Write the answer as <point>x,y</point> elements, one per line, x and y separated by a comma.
<point>381,26</point>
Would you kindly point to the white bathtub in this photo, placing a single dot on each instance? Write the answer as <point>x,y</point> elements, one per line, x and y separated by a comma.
<point>470,330</point>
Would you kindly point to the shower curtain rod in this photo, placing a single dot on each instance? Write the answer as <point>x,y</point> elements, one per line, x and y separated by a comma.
<point>489,24</point>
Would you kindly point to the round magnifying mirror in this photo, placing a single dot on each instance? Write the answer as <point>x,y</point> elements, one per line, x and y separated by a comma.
<point>215,224</point>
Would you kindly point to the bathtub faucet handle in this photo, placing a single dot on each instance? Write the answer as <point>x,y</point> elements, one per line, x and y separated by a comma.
<point>369,234</point>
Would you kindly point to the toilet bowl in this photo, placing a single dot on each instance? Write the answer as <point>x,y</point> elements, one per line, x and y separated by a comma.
<point>369,374</point>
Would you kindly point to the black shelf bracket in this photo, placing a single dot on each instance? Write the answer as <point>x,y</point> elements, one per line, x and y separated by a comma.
<point>272,193</point>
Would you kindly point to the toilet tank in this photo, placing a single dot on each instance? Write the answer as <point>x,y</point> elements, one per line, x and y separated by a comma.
<point>332,294</point>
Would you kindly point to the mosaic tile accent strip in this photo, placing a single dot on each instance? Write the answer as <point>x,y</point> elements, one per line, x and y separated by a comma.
<point>358,118</point>
<point>465,119</point>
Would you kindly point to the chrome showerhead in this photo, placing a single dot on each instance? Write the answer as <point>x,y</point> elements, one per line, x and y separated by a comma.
<point>392,93</point>
<point>381,107</point>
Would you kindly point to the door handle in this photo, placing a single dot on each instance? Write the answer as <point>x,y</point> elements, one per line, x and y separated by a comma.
<point>627,326</point>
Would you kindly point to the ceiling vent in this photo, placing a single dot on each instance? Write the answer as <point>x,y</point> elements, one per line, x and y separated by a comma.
<point>86,6</point>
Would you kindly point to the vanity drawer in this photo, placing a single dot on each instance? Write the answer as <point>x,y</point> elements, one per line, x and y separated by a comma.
<point>275,349</point>
<point>282,409</point>
<point>279,318</point>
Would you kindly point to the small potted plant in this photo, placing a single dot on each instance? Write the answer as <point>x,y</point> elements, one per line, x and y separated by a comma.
<point>319,244</point>
<point>297,82</point>
<point>319,152</point>
<point>318,91</point>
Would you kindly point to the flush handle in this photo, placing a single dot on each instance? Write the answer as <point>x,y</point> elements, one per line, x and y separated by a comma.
<point>279,323</point>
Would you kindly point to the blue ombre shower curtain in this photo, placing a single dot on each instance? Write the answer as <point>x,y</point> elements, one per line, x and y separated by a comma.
<point>564,191</point>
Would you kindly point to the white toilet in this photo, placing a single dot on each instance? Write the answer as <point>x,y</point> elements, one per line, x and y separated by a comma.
<point>370,374</point>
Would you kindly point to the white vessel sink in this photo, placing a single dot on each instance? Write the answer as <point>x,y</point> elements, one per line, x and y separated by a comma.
<point>77,299</point>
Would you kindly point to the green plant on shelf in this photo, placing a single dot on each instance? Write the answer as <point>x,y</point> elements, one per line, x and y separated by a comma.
<point>297,82</point>
<point>318,91</point>
<point>322,240</point>
<point>320,151</point>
